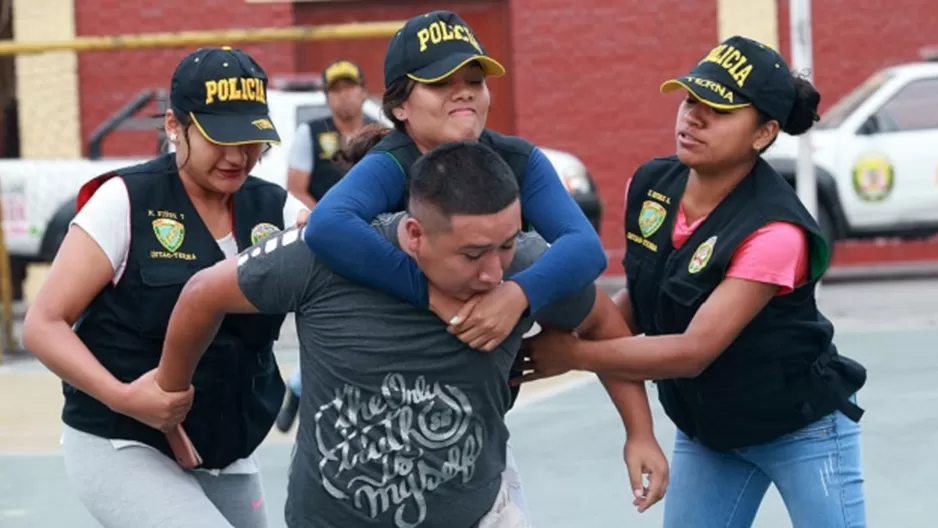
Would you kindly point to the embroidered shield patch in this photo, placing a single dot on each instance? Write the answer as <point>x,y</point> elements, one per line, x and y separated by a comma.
<point>261,231</point>
<point>328,144</point>
<point>169,233</point>
<point>702,255</point>
<point>651,217</point>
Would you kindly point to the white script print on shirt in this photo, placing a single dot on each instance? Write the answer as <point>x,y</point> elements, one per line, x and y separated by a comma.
<point>379,458</point>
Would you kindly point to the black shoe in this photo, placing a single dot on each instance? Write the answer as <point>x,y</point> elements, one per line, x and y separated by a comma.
<point>288,412</point>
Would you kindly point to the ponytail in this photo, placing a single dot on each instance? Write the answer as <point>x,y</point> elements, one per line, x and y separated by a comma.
<point>360,144</point>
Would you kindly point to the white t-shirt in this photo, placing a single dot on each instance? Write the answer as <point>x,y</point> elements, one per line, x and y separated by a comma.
<point>106,219</point>
<point>301,151</point>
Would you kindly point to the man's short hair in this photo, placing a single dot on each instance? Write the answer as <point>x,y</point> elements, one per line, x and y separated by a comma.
<point>463,178</point>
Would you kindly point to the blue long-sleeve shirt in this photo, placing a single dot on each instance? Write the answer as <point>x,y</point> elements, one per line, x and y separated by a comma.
<point>338,231</point>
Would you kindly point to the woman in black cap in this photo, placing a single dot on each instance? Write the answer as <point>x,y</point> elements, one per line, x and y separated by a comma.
<point>722,263</point>
<point>100,318</point>
<point>435,92</point>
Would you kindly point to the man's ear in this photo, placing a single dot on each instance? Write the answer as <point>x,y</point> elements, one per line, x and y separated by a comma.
<point>415,233</point>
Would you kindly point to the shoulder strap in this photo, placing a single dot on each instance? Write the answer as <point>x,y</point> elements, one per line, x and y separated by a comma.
<point>163,165</point>
<point>400,148</point>
<point>514,150</point>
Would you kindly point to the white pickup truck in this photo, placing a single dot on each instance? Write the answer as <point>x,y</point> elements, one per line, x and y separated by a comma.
<point>38,196</point>
<point>876,156</point>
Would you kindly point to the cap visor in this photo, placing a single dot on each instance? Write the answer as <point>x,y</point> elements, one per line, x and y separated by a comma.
<point>442,69</point>
<point>334,81</point>
<point>710,93</point>
<point>236,129</point>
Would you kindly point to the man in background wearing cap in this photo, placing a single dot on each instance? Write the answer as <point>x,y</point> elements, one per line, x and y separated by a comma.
<point>311,169</point>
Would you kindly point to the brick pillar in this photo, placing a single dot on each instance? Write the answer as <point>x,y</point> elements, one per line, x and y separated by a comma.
<point>47,83</point>
<point>756,19</point>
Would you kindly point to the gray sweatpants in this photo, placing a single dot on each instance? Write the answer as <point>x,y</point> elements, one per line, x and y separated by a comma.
<point>140,487</point>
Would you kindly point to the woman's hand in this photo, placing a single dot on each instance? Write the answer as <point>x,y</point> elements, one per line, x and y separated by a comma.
<point>446,307</point>
<point>548,354</point>
<point>144,401</point>
<point>488,318</point>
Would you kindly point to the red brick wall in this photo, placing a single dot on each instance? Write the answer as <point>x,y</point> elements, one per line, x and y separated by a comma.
<point>586,80</point>
<point>107,81</point>
<point>851,40</point>
<point>585,74</point>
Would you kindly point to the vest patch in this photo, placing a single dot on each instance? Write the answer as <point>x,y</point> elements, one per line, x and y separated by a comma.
<point>328,144</point>
<point>169,233</point>
<point>262,231</point>
<point>651,217</point>
<point>702,255</point>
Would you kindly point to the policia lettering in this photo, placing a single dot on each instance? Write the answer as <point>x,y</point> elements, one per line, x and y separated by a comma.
<point>438,32</point>
<point>732,60</point>
<point>235,89</point>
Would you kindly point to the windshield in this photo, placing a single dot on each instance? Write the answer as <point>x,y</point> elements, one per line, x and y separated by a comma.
<point>306,113</point>
<point>842,109</point>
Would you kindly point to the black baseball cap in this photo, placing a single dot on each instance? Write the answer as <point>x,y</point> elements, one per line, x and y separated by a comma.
<point>432,46</point>
<point>224,93</point>
<point>342,70</point>
<point>738,73</point>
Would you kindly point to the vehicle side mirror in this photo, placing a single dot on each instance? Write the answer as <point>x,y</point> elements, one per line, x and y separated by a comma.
<point>870,126</point>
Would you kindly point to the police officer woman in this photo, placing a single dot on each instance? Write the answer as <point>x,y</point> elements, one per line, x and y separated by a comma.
<point>139,235</point>
<point>722,262</point>
<point>435,92</point>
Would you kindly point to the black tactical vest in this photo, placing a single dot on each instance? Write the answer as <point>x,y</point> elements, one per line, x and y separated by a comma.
<point>783,371</point>
<point>514,150</point>
<point>238,387</point>
<point>325,140</point>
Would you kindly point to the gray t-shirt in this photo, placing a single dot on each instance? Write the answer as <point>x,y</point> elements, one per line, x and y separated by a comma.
<point>401,424</point>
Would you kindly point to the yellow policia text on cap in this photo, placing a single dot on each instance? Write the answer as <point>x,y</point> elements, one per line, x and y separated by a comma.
<point>438,32</point>
<point>737,68</point>
<point>235,89</point>
<point>732,60</point>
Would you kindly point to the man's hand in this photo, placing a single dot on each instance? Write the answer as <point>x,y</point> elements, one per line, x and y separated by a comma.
<point>643,456</point>
<point>550,353</point>
<point>488,318</point>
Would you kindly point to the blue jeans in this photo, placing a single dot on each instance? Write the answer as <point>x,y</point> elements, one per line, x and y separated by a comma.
<point>294,383</point>
<point>816,471</point>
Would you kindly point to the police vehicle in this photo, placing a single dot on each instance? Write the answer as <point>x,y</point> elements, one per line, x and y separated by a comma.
<point>876,156</point>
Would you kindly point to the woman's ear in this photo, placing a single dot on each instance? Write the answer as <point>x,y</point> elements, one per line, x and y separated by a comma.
<point>171,126</point>
<point>765,134</point>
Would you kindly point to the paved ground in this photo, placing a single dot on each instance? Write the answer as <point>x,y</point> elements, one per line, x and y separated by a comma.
<point>565,433</point>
